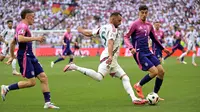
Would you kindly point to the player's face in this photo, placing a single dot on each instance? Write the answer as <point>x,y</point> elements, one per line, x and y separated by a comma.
<point>117,21</point>
<point>157,26</point>
<point>143,15</point>
<point>10,24</point>
<point>68,30</point>
<point>30,18</point>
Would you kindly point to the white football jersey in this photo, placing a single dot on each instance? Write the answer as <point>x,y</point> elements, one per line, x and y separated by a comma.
<point>107,32</point>
<point>191,36</point>
<point>8,34</point>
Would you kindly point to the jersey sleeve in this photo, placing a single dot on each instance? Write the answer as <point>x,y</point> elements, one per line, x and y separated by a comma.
<point>154,38</point>
<point>3,33</point>
<point>127,36</point>
<point>22,30</point>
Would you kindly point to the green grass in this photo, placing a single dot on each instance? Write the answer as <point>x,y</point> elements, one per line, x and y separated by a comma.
<point>74,92</point>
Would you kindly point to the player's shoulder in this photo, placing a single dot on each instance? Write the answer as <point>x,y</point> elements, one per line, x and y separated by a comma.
<point>149,23</point>
<point>22,25</point>
<point>110,27</point>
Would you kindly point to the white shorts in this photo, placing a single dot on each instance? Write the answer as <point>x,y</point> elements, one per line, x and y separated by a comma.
<point>191,46</point>
<point>115,71</point>
<point>5,50</point>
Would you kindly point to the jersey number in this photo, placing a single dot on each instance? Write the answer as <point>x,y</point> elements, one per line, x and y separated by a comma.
<point>103,37</point>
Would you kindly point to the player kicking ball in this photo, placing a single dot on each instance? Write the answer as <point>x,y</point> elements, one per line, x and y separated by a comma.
<point>111,38</point>
<point>140,31</point>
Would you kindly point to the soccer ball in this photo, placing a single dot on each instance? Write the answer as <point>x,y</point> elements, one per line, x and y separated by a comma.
<point>152,98</point>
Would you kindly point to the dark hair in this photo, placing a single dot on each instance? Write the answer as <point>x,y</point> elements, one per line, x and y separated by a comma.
<point>115,14</point>
<point>9,21</point>
<point>26,11</point>
<point>143,7</point>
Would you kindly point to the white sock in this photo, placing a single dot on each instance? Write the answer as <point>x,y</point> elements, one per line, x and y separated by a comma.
<point>182,55</point>
<point>91,73</point>
<point>14,64</point>
<point>193,57</point>
<point>128,87</point>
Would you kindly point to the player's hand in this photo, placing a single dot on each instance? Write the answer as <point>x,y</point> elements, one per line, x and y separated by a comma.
<point>109,61</point>
<point>6,43</point>
<point>166,51</point>
<point>133,51</point>
<point>41,39</point>
<point>64,44</point>
<point>9,61</point>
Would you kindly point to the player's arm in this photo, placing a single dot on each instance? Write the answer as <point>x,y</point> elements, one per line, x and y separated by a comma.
<point>22,38</point>
<point>63,40</point>
<point>12,49</point>
<point>110,51</point>
<point>2,40</point>
<point>127,39</point>
<point>156,41</point>
<point>85,32</point>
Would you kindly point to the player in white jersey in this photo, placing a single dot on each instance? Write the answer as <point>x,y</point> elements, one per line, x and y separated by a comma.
<point>191,37</point>
<point>111,38</point>
<point>8,35</point>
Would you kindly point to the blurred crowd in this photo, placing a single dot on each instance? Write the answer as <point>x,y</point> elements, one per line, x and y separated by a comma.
<point>93,13</point>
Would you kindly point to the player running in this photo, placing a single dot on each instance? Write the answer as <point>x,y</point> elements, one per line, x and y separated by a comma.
<point>140,30</point>
<point>178,36</point>
<point>191,45</point>
<point>29,65</point>
<point>77,48</point>
<point>160,36</point>
<point>8,35</point>
<point>111,38</point>
<point>66,51</point>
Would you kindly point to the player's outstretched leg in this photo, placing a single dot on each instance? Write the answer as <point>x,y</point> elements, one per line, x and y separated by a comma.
<point>14,72</point>
<point>138,86</point>
<point>46,92</point>
<point>127,86</point>
<point>169,55</point>
<point>88,72</point>
<point>22,84</point>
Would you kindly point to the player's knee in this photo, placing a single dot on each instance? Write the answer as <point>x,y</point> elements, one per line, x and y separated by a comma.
<point>31,83</point>
<point>161,73</point>
<point>99,77</point>
<point>154,72</point>
<point>43,78</point>
<point>125,78</point>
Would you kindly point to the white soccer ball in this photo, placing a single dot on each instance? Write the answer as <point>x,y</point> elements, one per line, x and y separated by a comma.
<point>152,98</point>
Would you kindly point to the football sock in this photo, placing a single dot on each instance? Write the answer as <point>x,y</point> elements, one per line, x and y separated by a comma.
<point>182,59</point>
<point>146,79</point>
<point>158,84</point>
<point>14,64</point>
<point>71,60</point>
<point>47,97</point>
<point>128,87</point>
<point>13,86</point>
<point>182,55</point>
<point>91,73</point>
<point>59,59</point>
<point>168,55</point>
<point>193,58</point>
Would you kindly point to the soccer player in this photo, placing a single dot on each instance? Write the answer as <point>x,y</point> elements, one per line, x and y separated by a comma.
<point>140,30</point>
<point>178,36</point>
<point>191,37</point>
<point>66,51</point>
<point>8,35</point>
<point>111,38</point>
<point>160,36</point>
<point>30,67</point>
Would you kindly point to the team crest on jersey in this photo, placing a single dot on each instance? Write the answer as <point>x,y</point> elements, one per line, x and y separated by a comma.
<point>146,64</point>
<point>22,31</point>
<point>32,73</point>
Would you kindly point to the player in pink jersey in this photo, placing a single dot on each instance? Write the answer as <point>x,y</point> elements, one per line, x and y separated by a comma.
<point>160,36</point>
<point>30,67</point>
<point>140,31</point>
<point>66,51</point>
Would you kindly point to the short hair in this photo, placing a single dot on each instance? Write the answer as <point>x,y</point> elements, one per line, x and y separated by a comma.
<point>9,21</point>
<point>115,14</point>
<point>143,7</point>
<point>26,11</point>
